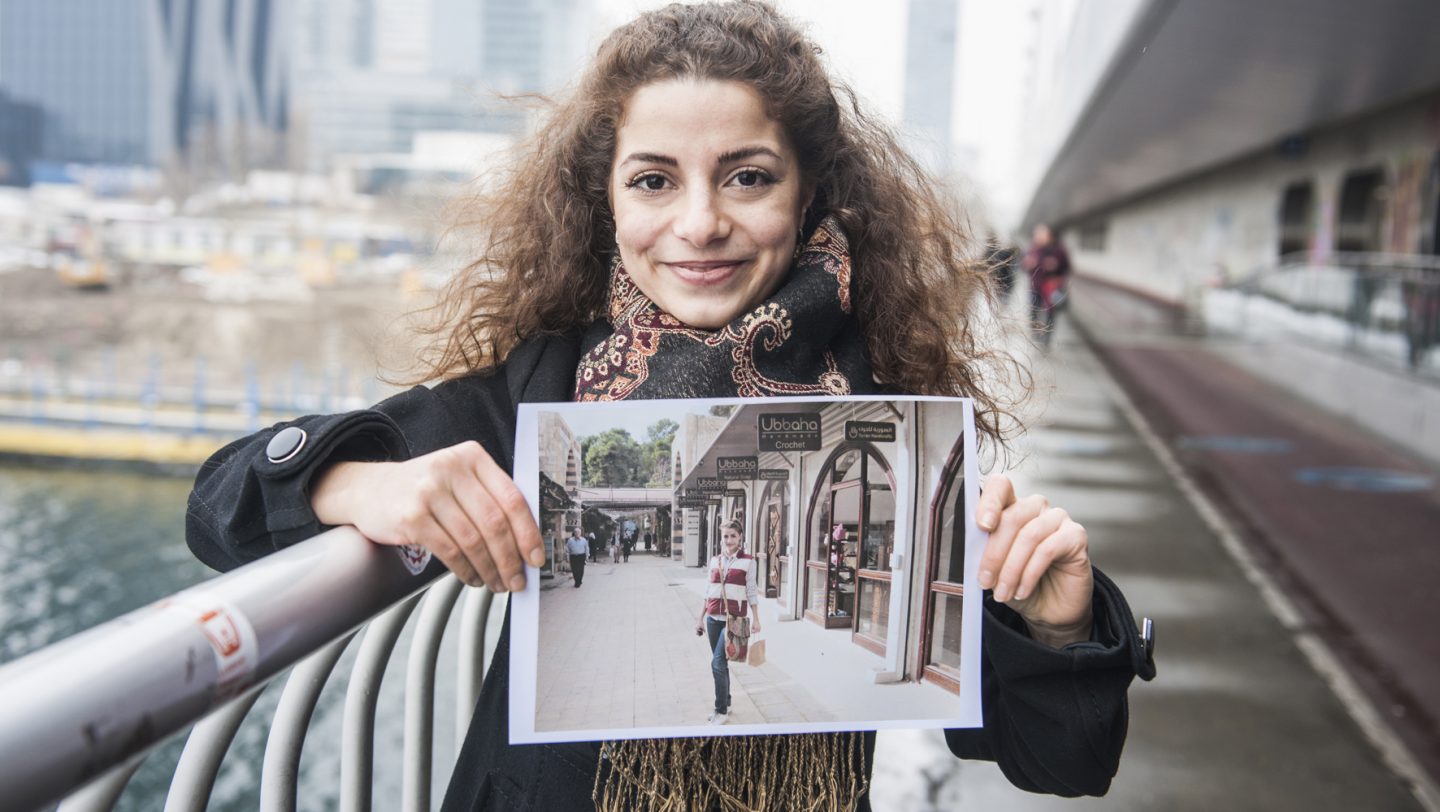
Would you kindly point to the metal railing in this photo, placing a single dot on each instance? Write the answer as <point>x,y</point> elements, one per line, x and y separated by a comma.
<point>1386,306</point>
<point>79,717</point>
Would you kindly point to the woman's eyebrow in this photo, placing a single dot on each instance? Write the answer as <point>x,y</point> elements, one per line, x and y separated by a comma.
<point>725,158</point>
<point>747,152</point>
<point>650,158</point>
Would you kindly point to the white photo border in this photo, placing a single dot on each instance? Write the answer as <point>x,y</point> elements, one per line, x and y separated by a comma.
<point>525,605</point>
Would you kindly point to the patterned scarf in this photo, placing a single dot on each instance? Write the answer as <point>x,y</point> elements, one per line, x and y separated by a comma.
<point>802,341</point>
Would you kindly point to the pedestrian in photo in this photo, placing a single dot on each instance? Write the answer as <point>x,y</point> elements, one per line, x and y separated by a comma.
<point>594,547</point>
<point>615,548</point>
<point>708,214</point>
<point>731,591</point>
<point>576,546</point>
<point>1048,265</point>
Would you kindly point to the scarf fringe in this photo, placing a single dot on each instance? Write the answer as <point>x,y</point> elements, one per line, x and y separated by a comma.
<point>811,772</point>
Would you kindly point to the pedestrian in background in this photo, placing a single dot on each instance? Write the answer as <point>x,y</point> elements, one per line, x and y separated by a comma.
<point>732,573</point>
<point>594,547</point>
<point>1048,265</point>
<point>577,547</point>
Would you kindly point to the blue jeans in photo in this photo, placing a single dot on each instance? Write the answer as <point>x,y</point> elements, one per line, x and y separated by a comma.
<point>719,666</point>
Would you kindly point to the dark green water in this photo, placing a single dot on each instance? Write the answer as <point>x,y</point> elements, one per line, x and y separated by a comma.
<point>78,548</point>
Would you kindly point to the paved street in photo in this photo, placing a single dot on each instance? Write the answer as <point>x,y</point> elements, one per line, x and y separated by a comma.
<point>621,652</point>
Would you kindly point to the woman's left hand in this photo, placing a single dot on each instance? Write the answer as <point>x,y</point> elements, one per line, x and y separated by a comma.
<point>1037,561</point>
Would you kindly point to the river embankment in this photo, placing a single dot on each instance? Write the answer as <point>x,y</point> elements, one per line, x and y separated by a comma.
<point>156,371</point>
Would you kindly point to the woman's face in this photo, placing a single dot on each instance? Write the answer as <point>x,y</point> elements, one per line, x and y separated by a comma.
<point>732,539</point>
<point>707,196</point>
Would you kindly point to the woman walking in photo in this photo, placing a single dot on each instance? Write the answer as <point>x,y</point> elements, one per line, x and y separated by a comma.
<point>730,593</point>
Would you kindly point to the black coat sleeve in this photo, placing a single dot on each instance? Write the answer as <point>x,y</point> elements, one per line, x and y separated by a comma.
<point>1055,719</point>
<point>244,506</point>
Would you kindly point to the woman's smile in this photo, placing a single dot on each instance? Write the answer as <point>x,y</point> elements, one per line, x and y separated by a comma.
<point>702,273</point>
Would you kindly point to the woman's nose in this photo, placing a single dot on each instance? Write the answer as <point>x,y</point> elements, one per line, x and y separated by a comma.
<point>701,221</point>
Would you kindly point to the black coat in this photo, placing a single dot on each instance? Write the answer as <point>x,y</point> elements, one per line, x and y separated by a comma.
<point>1055,720</point>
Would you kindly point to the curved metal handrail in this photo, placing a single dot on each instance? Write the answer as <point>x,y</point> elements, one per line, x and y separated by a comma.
<point>357,737</point>
<point>280,775</point>
<point>210,650</point>
<point>205,749</point>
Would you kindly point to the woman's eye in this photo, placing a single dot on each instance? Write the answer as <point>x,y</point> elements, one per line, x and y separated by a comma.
<point>750,177</point>
<point>648,183</point>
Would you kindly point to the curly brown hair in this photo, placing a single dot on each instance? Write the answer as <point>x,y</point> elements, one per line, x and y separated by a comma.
<point>546,231</point>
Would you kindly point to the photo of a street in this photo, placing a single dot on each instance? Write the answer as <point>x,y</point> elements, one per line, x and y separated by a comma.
<point>620,652</point>
<point>837,525</point>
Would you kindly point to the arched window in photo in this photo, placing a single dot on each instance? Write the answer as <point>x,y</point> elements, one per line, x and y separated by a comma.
<point>851,537</point>
<point>774,518</point>
<point>945,577</point>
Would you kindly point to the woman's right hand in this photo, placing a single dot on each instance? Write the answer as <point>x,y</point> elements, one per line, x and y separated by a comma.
<point>455,502</point>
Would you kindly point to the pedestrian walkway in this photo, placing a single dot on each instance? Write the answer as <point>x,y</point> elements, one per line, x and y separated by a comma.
<point>621,652</point>
<point>1238,718</point>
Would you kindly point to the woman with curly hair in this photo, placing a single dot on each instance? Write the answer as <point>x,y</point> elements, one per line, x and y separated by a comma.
<point>707,214</point>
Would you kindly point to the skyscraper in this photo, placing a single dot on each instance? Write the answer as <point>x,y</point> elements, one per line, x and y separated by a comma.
<point>219,73</point>
<point>371,74</point>
<point>930,79</point>
<point>83,64</point>
<point>150,81</point>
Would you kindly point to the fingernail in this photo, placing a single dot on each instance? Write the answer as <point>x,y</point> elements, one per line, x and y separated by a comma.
<point>987,520</point>
<point>1002,592</point>
<point>537,558</point>
<point>1021,593</point>
<point>517,583</point>
<point>987,579</point>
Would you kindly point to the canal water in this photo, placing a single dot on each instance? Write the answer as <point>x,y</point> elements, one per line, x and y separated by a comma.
<point>78,548</point>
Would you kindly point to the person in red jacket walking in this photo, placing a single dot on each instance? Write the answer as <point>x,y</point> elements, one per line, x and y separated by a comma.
<point>1049,267</point>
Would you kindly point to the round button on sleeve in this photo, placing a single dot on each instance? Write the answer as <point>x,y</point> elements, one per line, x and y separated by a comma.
<point>285,444</point>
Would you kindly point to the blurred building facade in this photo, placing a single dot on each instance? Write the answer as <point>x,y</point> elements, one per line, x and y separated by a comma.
<point>1183,145</point>
<point>373,74</point>
<point>215,90</point>
<point>932,31</point>
<point>169,83</point>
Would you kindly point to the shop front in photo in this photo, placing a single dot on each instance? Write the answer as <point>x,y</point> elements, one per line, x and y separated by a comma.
<point>852,533</point>
<point>859,532</point>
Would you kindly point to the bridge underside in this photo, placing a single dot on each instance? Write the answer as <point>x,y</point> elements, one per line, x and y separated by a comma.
<point>1197,85</point>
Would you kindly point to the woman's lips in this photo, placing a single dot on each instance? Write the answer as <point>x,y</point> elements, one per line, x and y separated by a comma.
<point>710,272</point>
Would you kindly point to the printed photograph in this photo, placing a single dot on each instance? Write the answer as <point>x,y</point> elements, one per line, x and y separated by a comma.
<point>740,567</point>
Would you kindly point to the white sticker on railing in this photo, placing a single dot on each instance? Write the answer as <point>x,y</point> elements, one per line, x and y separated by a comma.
<point>416,558</point>
<point>231,638</point>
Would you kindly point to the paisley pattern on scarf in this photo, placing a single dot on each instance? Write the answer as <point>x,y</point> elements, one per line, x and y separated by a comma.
<point>801,341</point>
